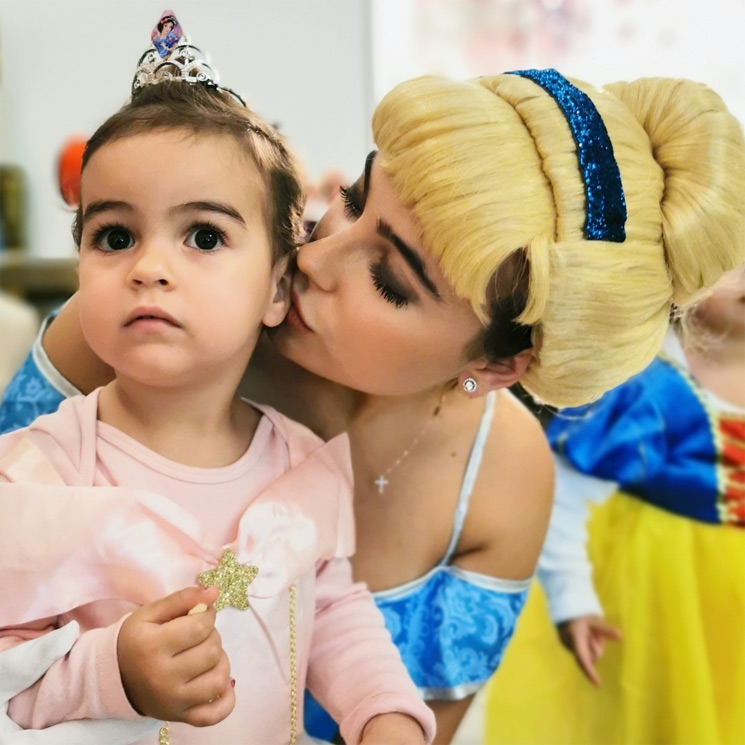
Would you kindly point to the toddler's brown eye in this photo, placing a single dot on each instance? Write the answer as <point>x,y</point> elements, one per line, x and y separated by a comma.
<point>113,239</point>
<point>118,239</point>
<point>205,238</point>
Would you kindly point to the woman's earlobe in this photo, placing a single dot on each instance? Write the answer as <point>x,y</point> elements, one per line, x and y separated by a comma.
<point>484,375</point>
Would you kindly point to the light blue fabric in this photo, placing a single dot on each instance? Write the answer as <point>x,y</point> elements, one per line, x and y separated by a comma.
<point>37,388</point>
<point>27,396</point>
<point>452,627</point>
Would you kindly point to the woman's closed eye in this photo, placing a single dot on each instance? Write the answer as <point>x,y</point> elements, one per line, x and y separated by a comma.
<point>205,237</point>
<point>352,207</point>
<point>387,286</point>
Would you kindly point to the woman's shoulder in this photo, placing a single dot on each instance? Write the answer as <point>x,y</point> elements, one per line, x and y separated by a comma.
<point>511,501</point>
<point>517,451</point>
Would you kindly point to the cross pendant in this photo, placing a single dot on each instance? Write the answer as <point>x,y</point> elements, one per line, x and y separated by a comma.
<point>381,483</point>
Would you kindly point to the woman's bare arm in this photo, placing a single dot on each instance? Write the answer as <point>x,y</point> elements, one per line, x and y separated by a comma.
<point>69,352</point>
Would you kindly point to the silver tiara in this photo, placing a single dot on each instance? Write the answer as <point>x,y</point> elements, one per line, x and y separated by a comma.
<point>172,57</point>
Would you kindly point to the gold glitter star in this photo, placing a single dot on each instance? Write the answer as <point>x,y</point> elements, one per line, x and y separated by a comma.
<point>233,580</point>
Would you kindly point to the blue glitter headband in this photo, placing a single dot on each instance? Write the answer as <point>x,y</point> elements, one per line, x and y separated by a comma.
<point>606,204</point>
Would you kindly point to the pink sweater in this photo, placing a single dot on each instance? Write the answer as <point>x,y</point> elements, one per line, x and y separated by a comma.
<point>84,546</point>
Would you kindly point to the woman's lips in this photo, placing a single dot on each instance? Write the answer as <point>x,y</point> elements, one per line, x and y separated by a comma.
<point>295,317</point>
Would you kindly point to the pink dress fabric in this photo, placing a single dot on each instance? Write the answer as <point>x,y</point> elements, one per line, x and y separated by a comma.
<point>77,546</point>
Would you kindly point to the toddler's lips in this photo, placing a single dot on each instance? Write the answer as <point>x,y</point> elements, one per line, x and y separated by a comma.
<point>154,315</point>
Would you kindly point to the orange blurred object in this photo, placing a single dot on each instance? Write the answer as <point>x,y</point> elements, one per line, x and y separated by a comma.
<point>69,167</point>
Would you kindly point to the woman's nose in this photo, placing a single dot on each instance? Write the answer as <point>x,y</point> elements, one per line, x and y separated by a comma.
<point>152,266</point>
<point>322,260</point>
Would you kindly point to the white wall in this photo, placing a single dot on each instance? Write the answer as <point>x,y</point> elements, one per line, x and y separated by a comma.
<point>600,41</point>
<point>68,64</point>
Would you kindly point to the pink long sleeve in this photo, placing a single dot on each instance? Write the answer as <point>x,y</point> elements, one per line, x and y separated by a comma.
<point>85,684</point>
<point>355,670</point>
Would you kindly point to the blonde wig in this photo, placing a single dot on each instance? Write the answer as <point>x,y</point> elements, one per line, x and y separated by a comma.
<point>490,169</point>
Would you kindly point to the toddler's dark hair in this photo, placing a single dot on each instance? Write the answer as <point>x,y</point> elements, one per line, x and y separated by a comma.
<point>206,109</point>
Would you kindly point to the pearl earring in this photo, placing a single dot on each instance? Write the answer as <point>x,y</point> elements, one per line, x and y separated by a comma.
<point>470,385</point>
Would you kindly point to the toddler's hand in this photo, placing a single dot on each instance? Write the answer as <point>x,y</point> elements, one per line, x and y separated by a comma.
<point>172,663</point>
<point>585,638</point>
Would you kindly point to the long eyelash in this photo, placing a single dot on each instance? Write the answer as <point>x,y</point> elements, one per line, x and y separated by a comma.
<point>351,210</point>
<point>210,226</point>
<point>105,228</point>
<point>388,294</point>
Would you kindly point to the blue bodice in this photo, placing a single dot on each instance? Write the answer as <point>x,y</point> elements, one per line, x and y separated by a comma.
<point>451,627</point>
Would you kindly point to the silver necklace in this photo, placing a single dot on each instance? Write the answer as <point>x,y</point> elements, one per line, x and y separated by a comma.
<point>381,482</point>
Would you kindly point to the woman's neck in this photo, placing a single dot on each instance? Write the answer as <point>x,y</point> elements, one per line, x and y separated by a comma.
<point>204,426</point>
<point>368,409</point>
<point>325,407</point>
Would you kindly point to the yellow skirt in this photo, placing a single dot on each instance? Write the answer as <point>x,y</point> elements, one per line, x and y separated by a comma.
<point>676,589</point>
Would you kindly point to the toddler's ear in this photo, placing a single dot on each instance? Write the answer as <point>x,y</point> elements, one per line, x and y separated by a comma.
<point>280,302</point>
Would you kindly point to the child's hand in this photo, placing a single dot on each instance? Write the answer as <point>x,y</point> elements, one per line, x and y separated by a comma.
<point>392,729</point>
<point>585,638</point>
<point>172,664</point>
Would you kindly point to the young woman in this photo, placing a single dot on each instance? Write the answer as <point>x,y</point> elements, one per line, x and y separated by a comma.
<point>515,227</point>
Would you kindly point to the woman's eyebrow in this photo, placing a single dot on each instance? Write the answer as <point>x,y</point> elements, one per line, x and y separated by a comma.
<point>368,168</point>
<point>410,256</point>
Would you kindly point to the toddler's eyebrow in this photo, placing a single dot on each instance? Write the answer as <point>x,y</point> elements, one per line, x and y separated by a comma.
<point>220,207</point>
<point>96,208</point>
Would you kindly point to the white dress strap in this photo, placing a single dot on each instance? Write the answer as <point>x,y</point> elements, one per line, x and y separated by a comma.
<point>472,471</point>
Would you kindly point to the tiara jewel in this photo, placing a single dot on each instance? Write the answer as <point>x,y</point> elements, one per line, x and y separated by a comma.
<point>171,56</point>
